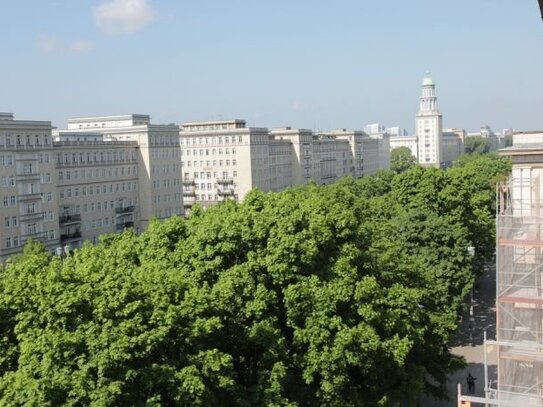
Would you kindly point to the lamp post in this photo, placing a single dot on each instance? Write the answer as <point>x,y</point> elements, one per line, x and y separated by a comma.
<point>471,252</point>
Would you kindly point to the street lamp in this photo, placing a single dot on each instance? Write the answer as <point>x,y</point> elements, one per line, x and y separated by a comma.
<point>471,252</point>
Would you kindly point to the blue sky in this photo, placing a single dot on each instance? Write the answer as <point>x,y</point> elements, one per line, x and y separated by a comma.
<point>313,64</point>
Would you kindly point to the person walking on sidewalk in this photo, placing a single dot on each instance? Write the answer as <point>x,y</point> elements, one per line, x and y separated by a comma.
<point>471,383</point>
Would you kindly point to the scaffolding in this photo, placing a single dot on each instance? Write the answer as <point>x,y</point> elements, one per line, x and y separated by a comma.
<point>519,298</point>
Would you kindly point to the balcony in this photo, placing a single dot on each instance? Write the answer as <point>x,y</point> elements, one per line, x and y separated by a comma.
<point>125,209</point>
<point>124,225</point>
<point>30,216</point>
<point>190,192</point>
<point>29,176</point>
<point>70,218</point>
<point>188,181</point>
<point>225,181</point>
<point>37,236</point>
<point>226,192</point>
<point>29,197</point>
<point>70,235</point>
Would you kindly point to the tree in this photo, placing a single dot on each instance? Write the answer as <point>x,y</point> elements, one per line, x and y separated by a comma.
<point>476,145</point>
<point>401,159</point>
<point>345,294</point>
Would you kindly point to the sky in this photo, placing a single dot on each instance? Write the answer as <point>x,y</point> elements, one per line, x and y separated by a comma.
<point>302,63</point>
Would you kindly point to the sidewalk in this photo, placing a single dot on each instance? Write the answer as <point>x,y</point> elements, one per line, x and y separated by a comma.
<point>484,296</point>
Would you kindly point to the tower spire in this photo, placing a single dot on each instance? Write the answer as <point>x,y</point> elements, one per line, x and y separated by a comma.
<point>428,99</point>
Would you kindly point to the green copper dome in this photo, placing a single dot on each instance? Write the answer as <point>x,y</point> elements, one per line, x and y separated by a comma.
<point>428,81</point>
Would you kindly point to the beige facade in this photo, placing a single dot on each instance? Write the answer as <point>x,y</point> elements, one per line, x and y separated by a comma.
<point>226,159</point>
<point>222,160</point>
<point>453,144</point>
<point>98,186</point>
<point>101,175</point>
<point>411,142</point>
<point>27,185</point>
<point>158,155</point>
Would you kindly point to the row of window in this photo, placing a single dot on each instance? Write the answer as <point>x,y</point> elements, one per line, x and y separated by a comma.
<point>6,159</point>
<point>165,153</point>
<point>165,169</point>
<point>9,180</point>
<point>101,206</point>
<point>13,221</point>
<point>97,189</point>
<point>211,140</point>
<point>29,140</point>
<point>205,186</point>
<point>209,163</point>
<point>167,198</point>
<point>166,183</point>
<point>164,139</point>
<point>211,197</point>
<point>99,223</point>
<point>207,151</point>
<point>208,175</point>
<point>167,212</point>
<point>15,241</point>
<point>96,173</point>
<point>96,157</point>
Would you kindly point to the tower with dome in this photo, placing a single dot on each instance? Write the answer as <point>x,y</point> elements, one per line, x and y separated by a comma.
<point>429,125</point>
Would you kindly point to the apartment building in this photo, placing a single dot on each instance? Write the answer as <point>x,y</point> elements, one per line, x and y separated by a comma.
<point>98,186</point>
<point>27,185</point>
<point>222,160</point>
<point>411,142</point>
<point>157,159</point>
<point>519,281</point>
<point>226,159</point>
<point>101,175</point>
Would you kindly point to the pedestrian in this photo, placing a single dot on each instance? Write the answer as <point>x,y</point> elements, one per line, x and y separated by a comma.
<point>471,383</point>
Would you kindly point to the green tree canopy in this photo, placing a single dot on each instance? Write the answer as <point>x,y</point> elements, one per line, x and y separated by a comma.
<point>476,145</point>
<point>345,295</point>
<point>401,159</point>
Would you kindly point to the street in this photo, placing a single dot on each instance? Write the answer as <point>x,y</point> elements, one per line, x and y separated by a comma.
<point>468,341</point>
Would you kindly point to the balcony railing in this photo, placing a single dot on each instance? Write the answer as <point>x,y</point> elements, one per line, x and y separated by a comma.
<point>72,218</point>
<point>71,235</point>
<point>38,236</point>
<point>124,225</point>
<point>188,181</point>
<point>189,193</point>
<point>225,192</point>
<point>125,209</point>
<point>29,197</point>
<point>35,215</point>
<point>30,175</point>
<point>225,181</point>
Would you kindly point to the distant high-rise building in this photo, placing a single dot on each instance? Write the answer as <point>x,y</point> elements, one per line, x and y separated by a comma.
<point>429,125</point>
<point>396,131</point>
<point>374,128</point>
<point>435,147</point>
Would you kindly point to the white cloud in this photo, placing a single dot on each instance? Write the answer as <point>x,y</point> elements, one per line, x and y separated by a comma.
<point>123,16</point>
<point>51,45</point>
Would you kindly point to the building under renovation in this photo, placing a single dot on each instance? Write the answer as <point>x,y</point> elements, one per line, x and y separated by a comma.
<point>519,281</point>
